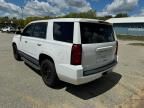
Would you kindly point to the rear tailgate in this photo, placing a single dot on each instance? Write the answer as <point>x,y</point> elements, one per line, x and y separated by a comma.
<point>98,45</point>
<point>97,55</point>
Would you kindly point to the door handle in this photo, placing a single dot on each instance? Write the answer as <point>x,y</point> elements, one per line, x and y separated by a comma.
<point>38,44</point>
<point>26,41</point>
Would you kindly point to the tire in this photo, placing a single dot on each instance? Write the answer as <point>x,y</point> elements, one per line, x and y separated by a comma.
<point>16,54</point>
<point>48,73</point>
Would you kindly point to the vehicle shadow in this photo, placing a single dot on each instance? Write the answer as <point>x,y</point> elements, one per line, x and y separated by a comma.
<point>95,88</point>
<point>33,69</point>
<point>59,86</point>
<point>89,90</point>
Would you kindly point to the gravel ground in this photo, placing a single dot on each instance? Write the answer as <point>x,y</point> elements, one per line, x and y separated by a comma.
<point>22,87</point>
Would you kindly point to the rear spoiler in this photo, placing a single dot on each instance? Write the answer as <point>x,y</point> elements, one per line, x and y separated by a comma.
<point>103,22</point>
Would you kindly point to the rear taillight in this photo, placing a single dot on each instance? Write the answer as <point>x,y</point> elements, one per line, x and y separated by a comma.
<point>76,54</point>
<point>116,48</point>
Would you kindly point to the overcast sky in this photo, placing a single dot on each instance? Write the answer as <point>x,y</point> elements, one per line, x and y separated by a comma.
<point>12,8</point>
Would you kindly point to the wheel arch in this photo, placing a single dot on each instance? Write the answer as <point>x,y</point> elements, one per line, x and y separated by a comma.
<point>13,43</point>
<point>45,56</point>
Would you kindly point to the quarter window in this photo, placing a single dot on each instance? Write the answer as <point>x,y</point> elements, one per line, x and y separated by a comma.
<point>63,31</point>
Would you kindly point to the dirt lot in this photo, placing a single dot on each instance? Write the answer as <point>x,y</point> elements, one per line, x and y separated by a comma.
<point>22,87</point>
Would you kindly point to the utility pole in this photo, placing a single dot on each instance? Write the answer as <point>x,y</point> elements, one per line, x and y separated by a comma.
<point>22,15</point>
<point>22,8</point>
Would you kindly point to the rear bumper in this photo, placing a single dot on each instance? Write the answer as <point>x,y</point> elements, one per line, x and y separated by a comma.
<point>75,74</point>
<point>100,69</point>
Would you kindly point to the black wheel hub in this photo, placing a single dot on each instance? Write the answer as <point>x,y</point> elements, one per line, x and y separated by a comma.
<point>46,72</point>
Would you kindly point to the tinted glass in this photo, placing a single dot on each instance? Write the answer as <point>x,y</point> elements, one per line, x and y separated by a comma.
<point>28,30</point>
<point>96,33</point>
<point>63,31</point>
<point>40,30</point>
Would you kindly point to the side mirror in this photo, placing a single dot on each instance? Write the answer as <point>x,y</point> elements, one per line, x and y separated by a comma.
<point>19,32</point>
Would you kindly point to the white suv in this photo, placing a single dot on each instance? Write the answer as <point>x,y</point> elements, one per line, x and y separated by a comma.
<point>73,50</point>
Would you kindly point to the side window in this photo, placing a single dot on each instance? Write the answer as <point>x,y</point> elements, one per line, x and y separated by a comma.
<point>28,30</point>
<point>63,31</point>
<point>40,30</point>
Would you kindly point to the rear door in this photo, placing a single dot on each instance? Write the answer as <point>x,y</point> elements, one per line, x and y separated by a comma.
<point>39,38</point>
<point>98,45</point>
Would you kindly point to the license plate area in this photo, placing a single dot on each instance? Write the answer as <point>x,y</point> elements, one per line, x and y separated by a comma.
<point>104,55</point>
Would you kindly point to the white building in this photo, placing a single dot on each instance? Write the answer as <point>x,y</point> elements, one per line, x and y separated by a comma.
<point>128,26</point>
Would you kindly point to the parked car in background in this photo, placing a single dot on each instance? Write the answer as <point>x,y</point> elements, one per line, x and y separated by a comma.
<point>5,29</point>
<point>12,30</point>
<point>8,29</point>
<point>73,50</point>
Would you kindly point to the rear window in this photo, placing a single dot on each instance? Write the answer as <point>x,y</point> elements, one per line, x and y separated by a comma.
<point>96,33</point>
<point>63,31</point>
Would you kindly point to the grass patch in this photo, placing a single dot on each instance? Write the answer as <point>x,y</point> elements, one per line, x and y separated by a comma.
<point>137,44</point>
<point>127,37</point>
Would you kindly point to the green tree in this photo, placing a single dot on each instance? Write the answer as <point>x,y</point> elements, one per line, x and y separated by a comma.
<point>88,14</point>
<point>29,19</point>
<point>120,15</point>
<point>5,19</point>
<point>91,13</point>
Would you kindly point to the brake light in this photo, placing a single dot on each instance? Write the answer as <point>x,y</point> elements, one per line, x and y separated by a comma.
<point>76,54</point>
<point>116,48</point>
